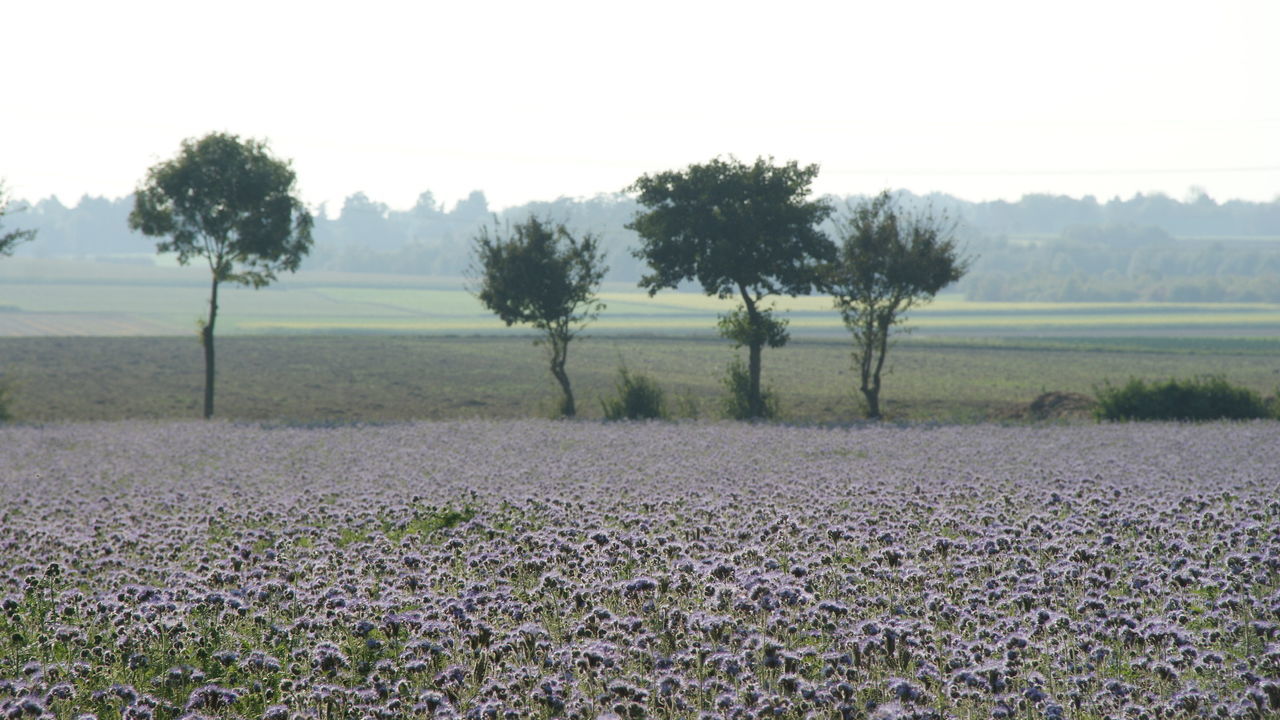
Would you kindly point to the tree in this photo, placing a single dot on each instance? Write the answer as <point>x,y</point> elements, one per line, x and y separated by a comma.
<point>365,224</point>
<point>9,240</point>
<point>229,201</point>
<point>740,230</point>
<point>889,262</point>
<point>541,275</point>
<point>473,209</point>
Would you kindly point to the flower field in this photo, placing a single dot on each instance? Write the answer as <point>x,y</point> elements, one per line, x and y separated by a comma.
<point>534,569</point>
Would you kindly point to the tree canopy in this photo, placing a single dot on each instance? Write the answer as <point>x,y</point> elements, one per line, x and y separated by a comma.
<point>539,274</point>
<point>732,227</point>
<point>231,202</point>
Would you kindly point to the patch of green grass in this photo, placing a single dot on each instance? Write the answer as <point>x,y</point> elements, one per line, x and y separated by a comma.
<point>426,521</point>
<point>351,536</point>
<point>423,521</point>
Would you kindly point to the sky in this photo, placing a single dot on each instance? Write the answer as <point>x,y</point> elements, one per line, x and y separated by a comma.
<point>537,100</point>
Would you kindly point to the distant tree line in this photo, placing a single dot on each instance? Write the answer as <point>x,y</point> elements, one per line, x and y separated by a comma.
<point>1042,247</point>
<point>1120,263</point>
<point>364,235</point>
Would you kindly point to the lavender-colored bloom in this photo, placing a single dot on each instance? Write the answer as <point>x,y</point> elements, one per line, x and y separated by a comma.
<point>328,657</point>
<point>746,571</point>
<point>211,697</point>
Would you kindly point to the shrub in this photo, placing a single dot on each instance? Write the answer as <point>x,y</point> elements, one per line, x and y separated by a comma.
<point>1200,398</point>
<point>639,398</point>
<point>737,404</point>
<point>687,406</point>
<point>6,397</point>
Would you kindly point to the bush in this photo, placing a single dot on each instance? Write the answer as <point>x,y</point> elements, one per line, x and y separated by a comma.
<point>687,406</point>
<point>639,398</point>
<point>1201,398</point>
<point>6,397</point>
<point>737,405</point>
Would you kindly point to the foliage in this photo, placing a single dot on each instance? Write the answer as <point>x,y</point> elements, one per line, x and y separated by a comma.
<point>423,521</point>
<point>638,398</point>
<point>745,231</point>
<point>687,406</point>
<point>1208,397</point>
<point>232,203</point>
<point>889,262</point>
<point>9,240</point>
<point>766,330</point>
<point>738,401</point>
<point>541,275</point>
<point>6,399</point>
<point>732,227</point>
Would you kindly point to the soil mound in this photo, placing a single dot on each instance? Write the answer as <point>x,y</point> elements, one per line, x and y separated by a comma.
<point>1056,405</point>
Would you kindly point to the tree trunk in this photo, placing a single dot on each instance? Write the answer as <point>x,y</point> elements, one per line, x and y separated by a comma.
<point>865,357</point>
<point>877,348</point>
<point>559,354</point>
<point>871,385</point>
<point>754,401</point>
<point>206,339</point>
<point>872,394</point>
<point>755,406</point>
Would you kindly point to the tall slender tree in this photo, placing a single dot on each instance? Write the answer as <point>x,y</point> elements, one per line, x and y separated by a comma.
<point>539,274</point>
<point>232,203</point>
<point>744,231</point>
<point>890,261</point>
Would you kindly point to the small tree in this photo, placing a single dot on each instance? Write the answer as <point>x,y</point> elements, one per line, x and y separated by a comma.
<point>541,275</point>
<point>232,203</point>
<point>889,262</point>
<point>9,240</point>
<point>740,230</point>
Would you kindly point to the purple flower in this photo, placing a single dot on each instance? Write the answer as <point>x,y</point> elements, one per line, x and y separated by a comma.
<point>211,697</point>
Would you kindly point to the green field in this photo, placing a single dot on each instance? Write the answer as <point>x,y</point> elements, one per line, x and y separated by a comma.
<point>59,297</point>
<point>344,378</point>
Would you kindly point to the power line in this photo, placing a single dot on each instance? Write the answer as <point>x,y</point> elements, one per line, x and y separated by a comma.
<point>1006,172</point>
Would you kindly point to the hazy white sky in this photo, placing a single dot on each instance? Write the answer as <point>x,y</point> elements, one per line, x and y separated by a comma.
<point>535,100</point>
